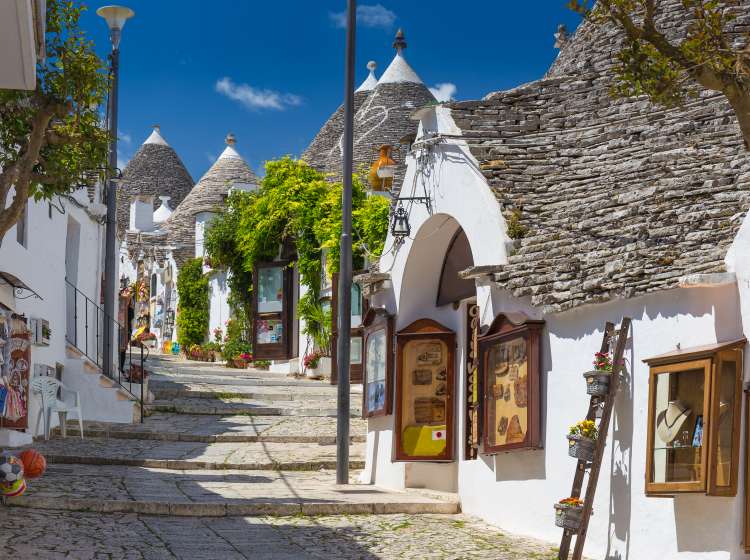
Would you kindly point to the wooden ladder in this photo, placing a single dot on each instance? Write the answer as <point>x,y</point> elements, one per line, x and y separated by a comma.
<point>605,405</point>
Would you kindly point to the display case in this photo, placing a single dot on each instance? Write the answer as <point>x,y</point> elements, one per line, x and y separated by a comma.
<point>694,420</point>
<point>272,306</point>
<point>425,355</point>
<point>377,390</point>
<point>359,307</point>
<point>509,361</point>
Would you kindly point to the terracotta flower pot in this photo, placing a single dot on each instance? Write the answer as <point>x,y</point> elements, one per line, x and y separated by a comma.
<point>568,516</point>
<point>239,363</point>
<point>580,447</point>
<point>597,382</point>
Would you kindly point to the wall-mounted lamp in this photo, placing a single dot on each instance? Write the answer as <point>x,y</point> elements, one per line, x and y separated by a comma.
<point>400,227</point>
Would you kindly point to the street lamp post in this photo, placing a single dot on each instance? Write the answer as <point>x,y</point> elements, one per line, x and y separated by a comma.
<point>115,16</point>
<point>345,266</point>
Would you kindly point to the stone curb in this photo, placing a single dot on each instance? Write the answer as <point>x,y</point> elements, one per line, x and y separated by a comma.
<point>167,394</point>
<point>179,464</point>
<point>249,411</point>
<point>191,509</point>
<point>222,438</point>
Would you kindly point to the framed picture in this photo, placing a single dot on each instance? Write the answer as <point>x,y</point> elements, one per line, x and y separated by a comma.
<point>425,355</point>
<point>698,431</point>
<point>377,387</point>
<point>509,358</point>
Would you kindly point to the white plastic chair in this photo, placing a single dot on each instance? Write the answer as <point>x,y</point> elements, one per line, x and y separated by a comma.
<point>46,389</point>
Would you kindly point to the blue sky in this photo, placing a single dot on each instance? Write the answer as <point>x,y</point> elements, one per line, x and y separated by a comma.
<point>272,72</point>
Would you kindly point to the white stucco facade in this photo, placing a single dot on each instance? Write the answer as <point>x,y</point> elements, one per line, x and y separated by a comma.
<point>63,239</point>
<point>516,490</point>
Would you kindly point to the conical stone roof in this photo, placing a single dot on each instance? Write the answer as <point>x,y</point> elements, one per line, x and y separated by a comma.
<point>154,170</point>
<point>208,195</point>
<point>328,139</point>
<point>385,115</point>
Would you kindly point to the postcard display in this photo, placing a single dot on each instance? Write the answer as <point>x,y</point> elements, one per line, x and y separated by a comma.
<point>15,365</point>
<point>424,392</point>
<point>272,296</point>
<point>509,357</point>
<point>378,364</point>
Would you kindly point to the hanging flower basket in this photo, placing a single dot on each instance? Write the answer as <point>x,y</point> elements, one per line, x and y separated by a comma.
<point>597,382</point>
<point>580,447</point>
<point>569,513</point>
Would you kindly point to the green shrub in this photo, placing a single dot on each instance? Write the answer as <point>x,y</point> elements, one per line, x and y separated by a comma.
<point>192,309</point>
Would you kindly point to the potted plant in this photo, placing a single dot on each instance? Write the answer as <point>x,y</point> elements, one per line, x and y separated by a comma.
<point>311,362</point>
<point>597,380</point>
<point>582,440</point>
<point>261,364</point>
<point>569,513</point>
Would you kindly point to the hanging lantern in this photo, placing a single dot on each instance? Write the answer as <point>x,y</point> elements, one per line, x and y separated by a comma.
<point>382,171</point>
<point>400,227</point>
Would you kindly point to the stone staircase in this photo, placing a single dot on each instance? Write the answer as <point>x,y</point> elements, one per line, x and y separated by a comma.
<point>219,442</point>
<point>101,397</point>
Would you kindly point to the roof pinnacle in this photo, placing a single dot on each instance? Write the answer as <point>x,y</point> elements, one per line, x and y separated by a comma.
<point>231,140</point>
<point>399,42</point>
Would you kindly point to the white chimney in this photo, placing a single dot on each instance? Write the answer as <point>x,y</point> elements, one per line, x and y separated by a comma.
<point>142,213</point>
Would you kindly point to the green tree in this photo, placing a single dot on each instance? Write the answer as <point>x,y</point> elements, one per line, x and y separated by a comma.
<point>51,139</point>
<point>668,70</point>
<point>192,307</point>
<point>295,205</point>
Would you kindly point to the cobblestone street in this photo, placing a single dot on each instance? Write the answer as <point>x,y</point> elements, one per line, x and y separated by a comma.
<point>231,464</point>
<point>84,536</point>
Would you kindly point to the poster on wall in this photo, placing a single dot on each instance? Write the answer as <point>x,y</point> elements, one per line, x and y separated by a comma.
<point>424,387</point>
<point>509,358</point>
<point>270,331</point>
<point>15,365</point>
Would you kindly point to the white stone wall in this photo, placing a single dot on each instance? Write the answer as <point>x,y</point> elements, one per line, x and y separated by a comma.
<point>41,265</point>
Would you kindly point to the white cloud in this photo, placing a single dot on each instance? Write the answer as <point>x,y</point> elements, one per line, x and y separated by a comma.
<point>444,92</point>
<point>368,15</point>
<point>256,98</point>
<point>125,138</point>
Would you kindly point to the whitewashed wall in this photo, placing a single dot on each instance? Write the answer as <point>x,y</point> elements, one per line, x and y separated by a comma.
<point>41,265</point>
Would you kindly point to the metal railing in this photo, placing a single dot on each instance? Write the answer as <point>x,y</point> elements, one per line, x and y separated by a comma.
<point>86,329</point>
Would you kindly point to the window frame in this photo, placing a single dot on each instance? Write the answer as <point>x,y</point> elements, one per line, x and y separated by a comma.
<point>376,321</point>
<point>708,357</point>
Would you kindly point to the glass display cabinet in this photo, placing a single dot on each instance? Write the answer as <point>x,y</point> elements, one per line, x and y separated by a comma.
<point>425,355</point>
<point>509,361</point>
<point>694,420</point>
<point>359,307</point>
<point>377,390</point>
<point>272,302</point>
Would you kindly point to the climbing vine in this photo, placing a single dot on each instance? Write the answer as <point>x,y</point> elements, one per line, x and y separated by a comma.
<point>295,206</point>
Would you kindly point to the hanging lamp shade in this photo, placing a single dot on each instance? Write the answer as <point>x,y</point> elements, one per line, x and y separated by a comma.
<point>382,171</point>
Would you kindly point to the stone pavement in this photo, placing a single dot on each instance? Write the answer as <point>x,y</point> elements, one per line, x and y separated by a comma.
<point>275,457</point>
<point>44,535</point>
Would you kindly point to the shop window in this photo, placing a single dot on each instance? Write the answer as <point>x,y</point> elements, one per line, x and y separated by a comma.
<point>425,354</point>
<point>694,420</point>
<point>272,301</point>
<point>509,358</point>
<point>377,393</point>
<point>359,306</point>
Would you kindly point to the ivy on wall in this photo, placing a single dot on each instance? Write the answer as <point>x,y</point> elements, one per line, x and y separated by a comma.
<point>296,205</point>
<point>192,307</point>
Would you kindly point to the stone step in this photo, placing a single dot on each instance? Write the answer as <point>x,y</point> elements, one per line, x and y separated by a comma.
<point>247,406</point>
<point>122,489</point>
<point>169,390</point>
<point>196,455</point>
<point>223,429</point>
<point>221,378</point>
